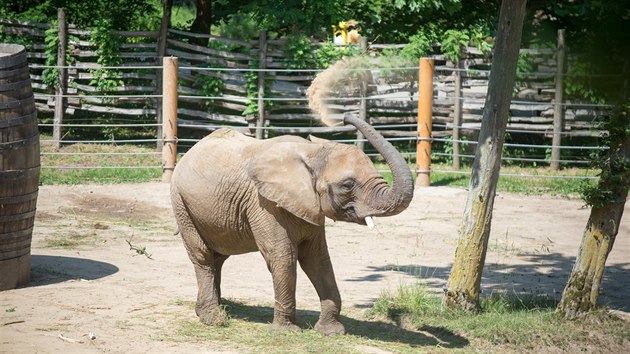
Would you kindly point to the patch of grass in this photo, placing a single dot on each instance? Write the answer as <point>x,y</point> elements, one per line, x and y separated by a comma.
<point>136,163</point>
<point>249,331</point>
<point>524,180</point>
<point>68,240</point>
<point>511,321</point>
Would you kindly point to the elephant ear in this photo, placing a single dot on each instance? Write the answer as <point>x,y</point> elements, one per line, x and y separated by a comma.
<point>281,175</point>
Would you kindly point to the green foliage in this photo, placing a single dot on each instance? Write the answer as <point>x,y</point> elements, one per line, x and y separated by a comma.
<point>299,51</point>
<point>420,44</point>
<point>211,86</point>
<point>525,64</point>
<point>108,48</point>
<point>329,53</point>
<point>241,26</point>
<point>614,162</point>
<point>123,14</point>
<point>50,76</point>
<point>251,87</point>
<point>452,43</point>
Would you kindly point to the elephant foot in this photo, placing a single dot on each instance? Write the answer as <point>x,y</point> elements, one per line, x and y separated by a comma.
<point>217,317</point>
<point>282,326</point>
<point>329,328</point>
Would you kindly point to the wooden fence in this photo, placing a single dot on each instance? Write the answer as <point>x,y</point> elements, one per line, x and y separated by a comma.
<point>216,87</point>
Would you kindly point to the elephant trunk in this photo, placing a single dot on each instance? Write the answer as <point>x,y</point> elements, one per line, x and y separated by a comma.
<point>389,200</point>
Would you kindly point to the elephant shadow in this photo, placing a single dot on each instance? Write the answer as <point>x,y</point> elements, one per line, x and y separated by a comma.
<point>424,336</point>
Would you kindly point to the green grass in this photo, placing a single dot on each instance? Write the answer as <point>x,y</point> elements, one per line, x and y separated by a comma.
<point>524,180</point>
<point>120,155</point>
<point>142,167</point>
<point>410,320</point>
<point>515,322</point>
<point>248,330</point>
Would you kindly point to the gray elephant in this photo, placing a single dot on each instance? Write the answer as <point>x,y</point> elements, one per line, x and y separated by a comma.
<point>232,194</point>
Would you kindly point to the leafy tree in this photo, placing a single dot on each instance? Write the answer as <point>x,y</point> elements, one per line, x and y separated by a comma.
<point>123,14</point>
<point>596,34</point>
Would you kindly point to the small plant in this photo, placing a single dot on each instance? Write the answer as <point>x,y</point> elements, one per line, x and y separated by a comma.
<point>409,299</point>
<point>299,51</point>
<point>10,309</point>
<point>139,250</point>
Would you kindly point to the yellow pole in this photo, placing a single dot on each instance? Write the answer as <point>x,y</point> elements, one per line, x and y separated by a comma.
<point>169,114</point>
<point>425,112</point>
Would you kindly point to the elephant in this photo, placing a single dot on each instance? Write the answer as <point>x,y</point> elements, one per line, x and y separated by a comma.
<point>232,194</point>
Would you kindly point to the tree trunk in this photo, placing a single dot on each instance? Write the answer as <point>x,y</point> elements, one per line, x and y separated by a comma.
<point>582,289</point>
<point>202,21</point>
<point>464,282</point>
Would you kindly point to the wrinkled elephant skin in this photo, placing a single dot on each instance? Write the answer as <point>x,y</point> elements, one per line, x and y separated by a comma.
<point>232,194</point>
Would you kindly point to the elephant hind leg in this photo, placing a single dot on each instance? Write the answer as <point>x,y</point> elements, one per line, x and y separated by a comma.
<point>207,265</point>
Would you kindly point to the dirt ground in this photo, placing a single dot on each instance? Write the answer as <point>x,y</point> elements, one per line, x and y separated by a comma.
<point>86,279</point>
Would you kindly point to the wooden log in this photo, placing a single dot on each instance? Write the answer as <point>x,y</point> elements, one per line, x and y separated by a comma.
<point>124,88</point>
<point>117,110</point>
<point>4,21</point>
<point>211,38</point>
<point>212,116</point>
<point>209,51</point>
<point>145,34</point>
<point>24,31</point>
<point>206,59</point>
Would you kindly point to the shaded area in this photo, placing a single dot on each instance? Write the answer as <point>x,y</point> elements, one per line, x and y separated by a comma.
<point>543,274</point>
<point>57,269</point>
<point>374,330</point>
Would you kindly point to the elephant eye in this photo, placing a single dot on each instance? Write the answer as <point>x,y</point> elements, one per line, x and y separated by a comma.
<point>348,184</point>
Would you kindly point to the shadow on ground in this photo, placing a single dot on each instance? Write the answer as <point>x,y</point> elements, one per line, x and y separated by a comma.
<point>57,269</point>
<point>374,330</point>
<point>544,274</point>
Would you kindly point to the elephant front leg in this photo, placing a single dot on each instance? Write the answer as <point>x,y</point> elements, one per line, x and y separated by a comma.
<point>315,261</point>
<point>281,258</point>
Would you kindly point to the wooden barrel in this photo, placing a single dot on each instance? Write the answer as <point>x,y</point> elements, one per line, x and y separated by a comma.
<point>19,166</point>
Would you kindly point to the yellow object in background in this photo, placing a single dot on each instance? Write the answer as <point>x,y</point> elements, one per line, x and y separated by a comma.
<point>342,36</point>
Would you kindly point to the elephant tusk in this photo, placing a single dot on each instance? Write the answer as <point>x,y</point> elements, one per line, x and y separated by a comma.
<point>370,222</point>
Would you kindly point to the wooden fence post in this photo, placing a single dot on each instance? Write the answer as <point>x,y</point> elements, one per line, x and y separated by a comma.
<point>169,113</point>
<point>457,112</point>
<point>166,20</point>
<point>363,113</point>
<point>262,59</point>
<point>60,88</point>
<point>558,109</point>
<point>425,113</point>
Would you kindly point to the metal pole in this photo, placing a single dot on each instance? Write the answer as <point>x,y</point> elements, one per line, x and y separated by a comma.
<point>169,114</point>
<point>425,112</point>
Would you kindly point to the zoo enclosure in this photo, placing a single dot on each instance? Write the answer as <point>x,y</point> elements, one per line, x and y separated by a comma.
<point>217,85</point>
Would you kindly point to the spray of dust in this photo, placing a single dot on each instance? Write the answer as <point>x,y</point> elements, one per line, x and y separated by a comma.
<point>327,84</point>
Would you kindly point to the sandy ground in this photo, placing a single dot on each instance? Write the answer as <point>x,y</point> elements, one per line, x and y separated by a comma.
<point>85,278</point>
